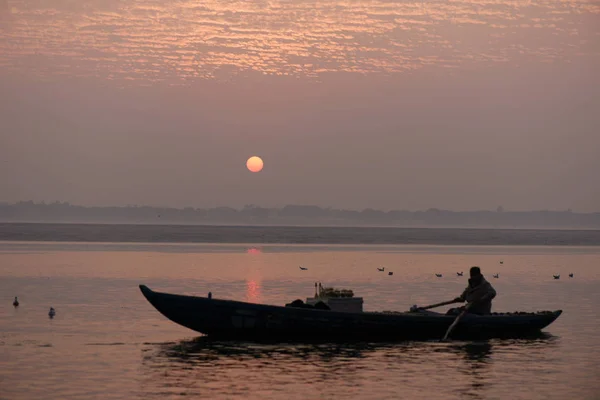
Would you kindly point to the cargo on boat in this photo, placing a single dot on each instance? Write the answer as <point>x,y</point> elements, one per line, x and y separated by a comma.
<point>331,318</point>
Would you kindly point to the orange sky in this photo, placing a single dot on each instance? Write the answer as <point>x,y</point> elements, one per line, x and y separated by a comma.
<point>460,105</point>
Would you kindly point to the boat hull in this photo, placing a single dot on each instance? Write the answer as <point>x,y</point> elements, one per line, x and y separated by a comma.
<point>227,319</point>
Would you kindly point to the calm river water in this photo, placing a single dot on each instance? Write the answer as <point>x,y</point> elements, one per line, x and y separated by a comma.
<point>107,342</point>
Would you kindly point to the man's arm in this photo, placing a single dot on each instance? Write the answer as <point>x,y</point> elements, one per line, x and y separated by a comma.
<point>490,293</point>
<point>462,297</point>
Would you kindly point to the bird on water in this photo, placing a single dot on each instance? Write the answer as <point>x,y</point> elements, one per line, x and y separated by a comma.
<point>16,302</point>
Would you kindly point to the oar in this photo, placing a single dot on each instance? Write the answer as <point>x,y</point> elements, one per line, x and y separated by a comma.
<point>435,305</point>
<point>455,323</point>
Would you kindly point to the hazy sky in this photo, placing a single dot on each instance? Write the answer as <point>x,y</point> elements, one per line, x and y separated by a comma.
<point>386,104</point>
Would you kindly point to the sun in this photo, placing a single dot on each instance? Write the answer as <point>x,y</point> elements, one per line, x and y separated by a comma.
<point>254,164</point>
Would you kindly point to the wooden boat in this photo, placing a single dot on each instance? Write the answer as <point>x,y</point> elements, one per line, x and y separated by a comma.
<point>228,319</point>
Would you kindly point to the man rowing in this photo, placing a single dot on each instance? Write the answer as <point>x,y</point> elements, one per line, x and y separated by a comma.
<point>478,295</point>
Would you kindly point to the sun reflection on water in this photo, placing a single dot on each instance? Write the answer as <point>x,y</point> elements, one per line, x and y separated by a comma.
<point>254,250</point>
<point>253,291</point>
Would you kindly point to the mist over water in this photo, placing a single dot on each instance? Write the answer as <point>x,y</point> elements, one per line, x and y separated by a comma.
<point>294,235</point>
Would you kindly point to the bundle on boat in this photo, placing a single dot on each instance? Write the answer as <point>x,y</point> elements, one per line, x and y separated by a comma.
<point>319,305</point>
<point>330,298</point>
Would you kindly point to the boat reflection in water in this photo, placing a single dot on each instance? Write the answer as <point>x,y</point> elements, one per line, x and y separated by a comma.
<point>476,367</point>
<point>365,370</point>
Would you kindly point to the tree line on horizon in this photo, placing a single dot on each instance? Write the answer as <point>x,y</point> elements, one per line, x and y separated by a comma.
<point>29,211</point>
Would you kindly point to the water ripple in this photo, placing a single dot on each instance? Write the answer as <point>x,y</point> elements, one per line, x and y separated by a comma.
<point>382,368</point>
<point>105,331</point>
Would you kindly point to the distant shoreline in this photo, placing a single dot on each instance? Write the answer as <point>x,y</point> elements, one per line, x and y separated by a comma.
<point>296,216</point>
<point>146,233</point>
<point>293,226</point>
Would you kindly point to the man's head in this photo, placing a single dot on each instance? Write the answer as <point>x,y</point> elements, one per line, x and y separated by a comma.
<point>475,272</point>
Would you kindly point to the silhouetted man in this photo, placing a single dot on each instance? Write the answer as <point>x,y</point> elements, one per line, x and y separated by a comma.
<point>478,294</point>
